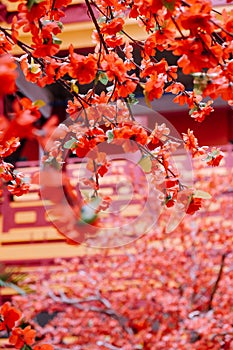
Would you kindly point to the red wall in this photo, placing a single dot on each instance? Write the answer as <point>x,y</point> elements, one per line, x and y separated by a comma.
<point>216,129</point>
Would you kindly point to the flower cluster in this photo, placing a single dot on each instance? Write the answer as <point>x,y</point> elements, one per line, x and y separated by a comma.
<point>20,337</point>
<point>17,186</point>
<point>200,37</point>
<point>204,46</point>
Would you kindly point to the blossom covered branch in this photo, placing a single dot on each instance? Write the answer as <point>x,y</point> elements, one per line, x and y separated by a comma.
<point>191,30</point>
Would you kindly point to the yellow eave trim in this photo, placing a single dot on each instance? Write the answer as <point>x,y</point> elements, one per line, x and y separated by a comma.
<point>80,35</point>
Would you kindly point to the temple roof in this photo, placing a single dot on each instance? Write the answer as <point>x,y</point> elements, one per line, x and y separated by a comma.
<point>77,25</point>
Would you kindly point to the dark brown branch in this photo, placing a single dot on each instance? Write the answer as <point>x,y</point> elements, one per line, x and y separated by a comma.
<point>217,12</point>
<point>216,284</point>
<point>90,10</point>
<point>22,45</point>
<point>177,27</point>
<point>224,30</point>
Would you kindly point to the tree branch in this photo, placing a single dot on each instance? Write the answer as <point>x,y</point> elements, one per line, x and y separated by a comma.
<point>90,10</point>
<point>108,311</point>
<point>216,284</point>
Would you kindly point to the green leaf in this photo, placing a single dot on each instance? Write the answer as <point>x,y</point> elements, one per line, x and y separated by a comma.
<point>200,82</point>
<point>46,21</point>
<point>56,41</point>
<point>102,19</point>
<point>110,136</point>
<point>34,68</point>
<point>73,86</point>
<point>170,5</point>
<point>60,25</point>
<point>147,100</point>
<point>26,347</point>
<point>31,3</point>
<point>208,158</point>
<point>88,211</point>
<point>131,99</point>
<point>70,143</point>
<point>103,78</point>
<point>215,152</point>
<point>193,110</point>
<point>52,162</point>
<point>145,163</point>
<point>202,194</point>
<point>39,103</point>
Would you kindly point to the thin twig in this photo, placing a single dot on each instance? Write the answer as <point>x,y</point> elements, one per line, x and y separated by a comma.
<point>90,10</point>
<point>215,286</point>
<point>147,151</point>
<point>224,30</point>
<point>177,27</point>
